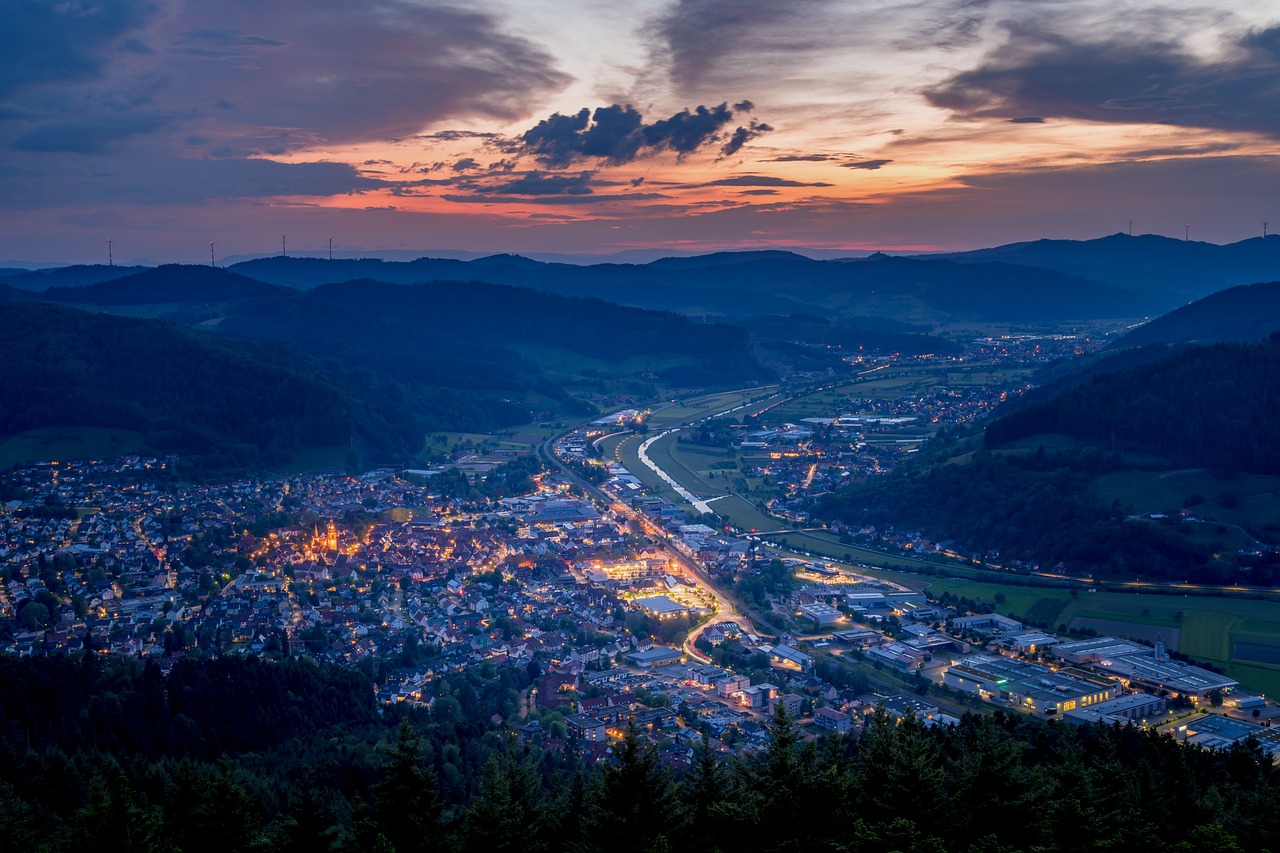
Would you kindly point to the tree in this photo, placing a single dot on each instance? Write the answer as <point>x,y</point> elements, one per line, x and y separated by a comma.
<point>636,805</point>
<point>406,803</point>
<point>508,803</point>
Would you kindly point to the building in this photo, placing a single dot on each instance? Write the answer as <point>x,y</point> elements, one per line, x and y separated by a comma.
<point>759,695</point>
<point>1095,649</point>
<point>785,657</point>
<point>832,721</point>
<point>1143,667</point>
<point>790,701</point>
<point>987,623</point>
<point>899,706</point>
<point>822,615</point>
<point>1130,708</point>
<point>898,655</point>
<point>1170,676</point>
<point>732,684</point>
<point>1028,686</point>
<point>1213,731</point>
<point>657,656</point>
<point>585,728</point>
<point>661,606</point>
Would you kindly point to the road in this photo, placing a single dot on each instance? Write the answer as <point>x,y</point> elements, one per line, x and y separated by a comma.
<point>726,610</point>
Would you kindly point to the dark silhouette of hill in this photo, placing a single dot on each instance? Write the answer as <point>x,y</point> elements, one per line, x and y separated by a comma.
<point>1201,406</point>
<point>846,335</point>
<point>1156,266</point>
<point>741,284</point>
<point>459,334</point>
<point>229,404</point>
<point>168,284</point>
<point>1244,313</point>
<point>72,276</point>
<point>12,294</point>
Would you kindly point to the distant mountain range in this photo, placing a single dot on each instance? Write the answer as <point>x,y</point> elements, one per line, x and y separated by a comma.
<point>1113,276</point>
<point>1177,270</point>
<point>736,284</point>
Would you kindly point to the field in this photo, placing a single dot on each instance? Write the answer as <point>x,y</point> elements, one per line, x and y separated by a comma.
<point>1241,635</point>
<point>1168,491</point>
<point>51,444</point>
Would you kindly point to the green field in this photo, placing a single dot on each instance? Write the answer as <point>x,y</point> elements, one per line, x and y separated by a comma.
<point>1209,626</point>
<point>52,444</point>
<point>1207,635</point>
<point>743,514</point>
<point>663,452</point>
<point>1167,491</point>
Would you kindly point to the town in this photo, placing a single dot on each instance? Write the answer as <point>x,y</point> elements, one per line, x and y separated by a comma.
<point>606,608</point>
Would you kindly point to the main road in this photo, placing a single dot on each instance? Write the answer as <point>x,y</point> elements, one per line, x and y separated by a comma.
<point>726,610</point>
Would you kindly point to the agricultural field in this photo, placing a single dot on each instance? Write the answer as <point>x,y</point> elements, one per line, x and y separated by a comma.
<point>1168,491</point>
<point>1241,635</point>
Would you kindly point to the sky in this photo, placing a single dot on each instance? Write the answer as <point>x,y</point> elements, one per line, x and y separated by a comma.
<point>596,126</point>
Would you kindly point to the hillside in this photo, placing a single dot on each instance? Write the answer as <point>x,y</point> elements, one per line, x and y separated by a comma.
<point>77,275</point>
<point>1203,406</point>
<point>230,405</point>
<point>461,334</point>
<point>740,284</point>
<point>168,284</point>
<point>1244,313</point>
<point>1156,266</point>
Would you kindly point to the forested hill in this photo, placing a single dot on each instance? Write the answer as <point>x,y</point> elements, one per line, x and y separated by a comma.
<point>72,276</point>
<point>290,757</point>
<point>1147,263</point>
<point>1245,313</point>
<point>231,403</point>
<point>460,334</point>
<point>734,284</point>
<point>1203,406</point>
<point>169,284</point>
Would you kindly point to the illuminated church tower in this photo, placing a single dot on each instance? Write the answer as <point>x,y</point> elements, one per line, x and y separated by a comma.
<point>331,538</point>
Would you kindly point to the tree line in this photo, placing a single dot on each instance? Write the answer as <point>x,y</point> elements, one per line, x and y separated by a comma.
<point>131,760</point>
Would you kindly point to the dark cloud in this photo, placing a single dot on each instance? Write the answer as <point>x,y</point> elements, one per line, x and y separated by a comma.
<point>1127,78</point>
<point>241,70</point>
<point>696,39</point>
<point>618,134</point>
<point>465,164</point>
<point>866,164</point>
<point>742,135</point>
<point>171,180</point>
<point>758,192</point>
<point>537,183</point>
<point>759,181</point>
<point>221,42</point>
<point>551,199</point>
<point>90,135</point>
<point>802,158</point>
<point>51,42</point>
<point>1027,120</point>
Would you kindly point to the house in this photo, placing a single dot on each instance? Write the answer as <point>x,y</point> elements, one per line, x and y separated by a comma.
<point>585,727</point>
<point>790,701</point>
<point>832,721</point>
<point>732,684</point>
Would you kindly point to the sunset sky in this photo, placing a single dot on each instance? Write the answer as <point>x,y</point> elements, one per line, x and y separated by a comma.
<point>602,125</point>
